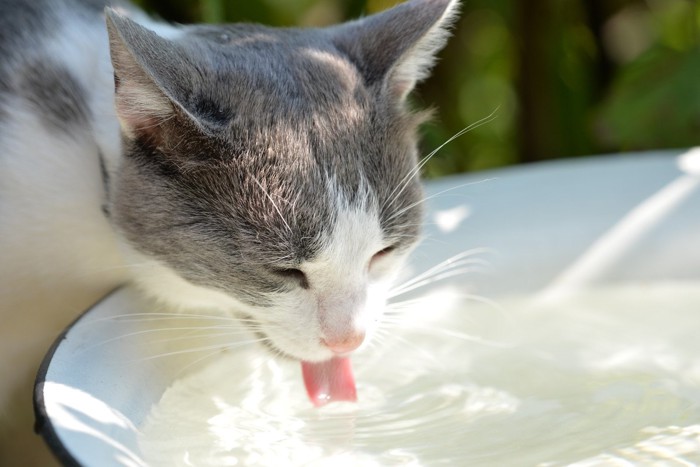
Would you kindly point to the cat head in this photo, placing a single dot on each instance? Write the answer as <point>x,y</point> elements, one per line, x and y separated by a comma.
<point>272,172</point>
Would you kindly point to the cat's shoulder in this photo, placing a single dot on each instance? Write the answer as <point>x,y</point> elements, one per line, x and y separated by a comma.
<point>25,22</point>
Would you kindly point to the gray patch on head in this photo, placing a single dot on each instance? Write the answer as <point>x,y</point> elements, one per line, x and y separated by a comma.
<point>55,94</point>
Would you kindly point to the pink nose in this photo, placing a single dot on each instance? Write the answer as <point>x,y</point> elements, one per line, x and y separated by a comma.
<point>344,344</point>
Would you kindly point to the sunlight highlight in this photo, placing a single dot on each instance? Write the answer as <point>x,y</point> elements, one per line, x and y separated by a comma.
<point>448,220</point>
<point>80,414</point>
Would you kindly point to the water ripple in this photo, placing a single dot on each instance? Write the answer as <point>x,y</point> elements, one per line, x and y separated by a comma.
<point>608,379</point>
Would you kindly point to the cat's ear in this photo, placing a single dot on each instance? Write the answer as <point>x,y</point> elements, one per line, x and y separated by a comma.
<point>397,47</point>
<point>148,71</point>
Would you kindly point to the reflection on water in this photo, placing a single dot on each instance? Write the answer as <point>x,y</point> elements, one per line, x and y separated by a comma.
<point>606,378</point>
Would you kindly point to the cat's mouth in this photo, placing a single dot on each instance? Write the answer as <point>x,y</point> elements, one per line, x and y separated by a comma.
<point>327,381</point>
<point>265,340</point>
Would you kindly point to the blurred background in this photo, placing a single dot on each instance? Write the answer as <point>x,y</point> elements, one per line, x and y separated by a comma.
<point>566,77</point>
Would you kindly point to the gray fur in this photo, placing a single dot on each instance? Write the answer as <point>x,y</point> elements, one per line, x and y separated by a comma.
<point>104,174</point>
<point>28,71</point>
<point>235,137</point>
<point>56,96</point>
<point>286,109</point>
<point>397,30</point>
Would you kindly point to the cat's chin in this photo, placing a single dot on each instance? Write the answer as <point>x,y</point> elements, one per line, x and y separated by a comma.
<point>299,339</point>
<point>278,352</point>
<point>280,347</point>
<point>162,284</point>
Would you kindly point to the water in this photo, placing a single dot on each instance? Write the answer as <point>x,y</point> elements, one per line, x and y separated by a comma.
<point>610,377</point>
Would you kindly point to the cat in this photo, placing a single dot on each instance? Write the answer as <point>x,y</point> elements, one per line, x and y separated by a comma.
<point>266,173</point>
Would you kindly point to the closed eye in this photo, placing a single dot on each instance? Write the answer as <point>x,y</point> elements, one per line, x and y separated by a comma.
<point>382,253</point>
<point>293,274</point>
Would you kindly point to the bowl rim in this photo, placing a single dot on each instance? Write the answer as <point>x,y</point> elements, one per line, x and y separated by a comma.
<point>43,426</point>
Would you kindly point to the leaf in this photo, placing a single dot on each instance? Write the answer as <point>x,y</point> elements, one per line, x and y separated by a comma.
<point>654,102</point>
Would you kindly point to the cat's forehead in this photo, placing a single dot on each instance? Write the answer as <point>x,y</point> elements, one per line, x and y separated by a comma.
<point>250,67</point>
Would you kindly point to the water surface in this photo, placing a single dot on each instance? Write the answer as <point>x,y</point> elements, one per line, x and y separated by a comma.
<point>608,377</point>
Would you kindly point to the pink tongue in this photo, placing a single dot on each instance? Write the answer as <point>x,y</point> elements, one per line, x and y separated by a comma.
<point>329,381</point>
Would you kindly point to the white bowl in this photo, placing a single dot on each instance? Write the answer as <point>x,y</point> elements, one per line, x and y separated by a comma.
<point>552,231</point>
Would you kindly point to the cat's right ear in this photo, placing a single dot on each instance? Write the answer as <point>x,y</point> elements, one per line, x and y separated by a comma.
<point>146,71</point>
<point>396,48</point>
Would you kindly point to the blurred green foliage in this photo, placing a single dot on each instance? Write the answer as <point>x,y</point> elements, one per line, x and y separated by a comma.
<point>565,77</point>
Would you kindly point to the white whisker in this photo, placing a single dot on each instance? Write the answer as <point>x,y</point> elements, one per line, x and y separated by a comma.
<point>210,335</point>
<point>197,361</point>
<point>436,278</point>
<point>421,350</point>
<point>152,331</point>
<point>155,316</point>
<point>442,268</point>
<point>393,308</point>
<point>202,349</point>
<point>435,195</point>
<point>461,259</point>
<point>272,201</point>
<point>404,304</point>
<point>396,192</point>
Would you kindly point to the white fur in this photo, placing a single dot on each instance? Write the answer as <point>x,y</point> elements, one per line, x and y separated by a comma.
<point>162,283</point>
<point>346,295</point>
<point>350,297</point>
<point>50,194</point>
<point>417,62</point>
<point>59,253</point>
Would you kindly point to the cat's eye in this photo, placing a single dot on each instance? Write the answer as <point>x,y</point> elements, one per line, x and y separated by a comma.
<point>293,274</point>
<point>382,253</point>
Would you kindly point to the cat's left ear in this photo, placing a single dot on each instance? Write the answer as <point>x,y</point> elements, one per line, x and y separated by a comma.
<point>396,48</point>
<point>151,77</point>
